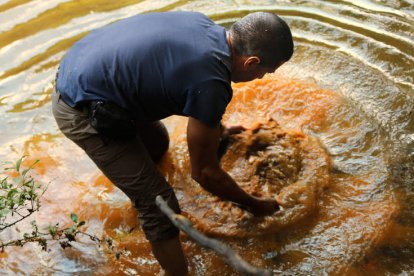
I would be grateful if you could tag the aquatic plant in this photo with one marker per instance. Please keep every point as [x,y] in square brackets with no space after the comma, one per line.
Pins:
[20,198]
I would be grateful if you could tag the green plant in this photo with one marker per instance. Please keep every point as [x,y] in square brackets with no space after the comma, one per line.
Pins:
[20,197]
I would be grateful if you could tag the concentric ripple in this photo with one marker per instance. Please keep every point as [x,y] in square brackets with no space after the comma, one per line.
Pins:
[348,93]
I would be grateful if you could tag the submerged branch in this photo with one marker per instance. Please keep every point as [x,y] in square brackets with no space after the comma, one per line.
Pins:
[229,255]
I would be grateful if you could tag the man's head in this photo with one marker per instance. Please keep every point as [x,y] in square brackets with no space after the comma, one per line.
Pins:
[260,43]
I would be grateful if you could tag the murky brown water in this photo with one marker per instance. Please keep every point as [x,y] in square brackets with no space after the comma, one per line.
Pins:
[349,87]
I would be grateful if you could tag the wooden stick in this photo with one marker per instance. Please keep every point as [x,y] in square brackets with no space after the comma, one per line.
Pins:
[229,255]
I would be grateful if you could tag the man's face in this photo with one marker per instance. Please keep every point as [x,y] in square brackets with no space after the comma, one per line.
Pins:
[251,73]
[250,68]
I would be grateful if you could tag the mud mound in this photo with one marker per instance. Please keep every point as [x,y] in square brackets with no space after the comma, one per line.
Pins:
[265,161]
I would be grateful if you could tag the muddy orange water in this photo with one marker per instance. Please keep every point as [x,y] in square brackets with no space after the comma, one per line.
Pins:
[335,125]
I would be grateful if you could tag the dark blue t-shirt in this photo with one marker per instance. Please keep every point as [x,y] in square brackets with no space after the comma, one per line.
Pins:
[155,65]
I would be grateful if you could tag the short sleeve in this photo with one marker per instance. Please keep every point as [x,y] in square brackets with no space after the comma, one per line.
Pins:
[207,102]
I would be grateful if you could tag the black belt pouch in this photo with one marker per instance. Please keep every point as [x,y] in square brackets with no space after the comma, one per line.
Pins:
[111,120]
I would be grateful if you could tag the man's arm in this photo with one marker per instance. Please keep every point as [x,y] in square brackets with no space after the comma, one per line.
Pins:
[203,142]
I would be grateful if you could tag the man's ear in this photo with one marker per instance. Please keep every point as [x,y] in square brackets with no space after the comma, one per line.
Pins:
[252,61]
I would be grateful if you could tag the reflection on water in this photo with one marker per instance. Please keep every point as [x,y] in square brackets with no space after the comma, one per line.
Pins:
[350,86]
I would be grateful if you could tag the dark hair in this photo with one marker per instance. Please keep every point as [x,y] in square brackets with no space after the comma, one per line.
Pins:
[265,35]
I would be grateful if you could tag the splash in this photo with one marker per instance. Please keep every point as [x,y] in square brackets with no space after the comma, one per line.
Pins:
[266,161]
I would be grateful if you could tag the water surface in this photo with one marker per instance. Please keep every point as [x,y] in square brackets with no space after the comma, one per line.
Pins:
[350,84]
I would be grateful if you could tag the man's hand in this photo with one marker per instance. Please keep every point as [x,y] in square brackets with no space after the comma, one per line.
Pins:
[263,206]
[227,131]
[203,142]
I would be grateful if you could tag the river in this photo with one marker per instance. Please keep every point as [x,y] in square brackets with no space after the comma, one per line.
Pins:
[349,88]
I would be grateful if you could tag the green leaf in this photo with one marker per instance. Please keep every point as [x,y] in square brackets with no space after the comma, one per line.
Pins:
[52,230]
[4,184]
[25,171]
[81,223]
[18,163]
[11,193]
[74,217]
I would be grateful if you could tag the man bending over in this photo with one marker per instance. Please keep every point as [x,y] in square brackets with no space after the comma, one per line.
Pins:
[116,84]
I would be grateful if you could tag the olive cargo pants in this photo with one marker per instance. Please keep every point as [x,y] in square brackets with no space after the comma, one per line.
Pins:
[128,163]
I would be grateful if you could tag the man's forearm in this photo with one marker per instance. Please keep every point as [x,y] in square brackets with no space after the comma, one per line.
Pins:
[219,183]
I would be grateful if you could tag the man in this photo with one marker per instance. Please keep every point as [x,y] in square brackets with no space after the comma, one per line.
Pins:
[115,85]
